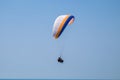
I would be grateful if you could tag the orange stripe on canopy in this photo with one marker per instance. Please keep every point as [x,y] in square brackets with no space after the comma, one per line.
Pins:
[61,26]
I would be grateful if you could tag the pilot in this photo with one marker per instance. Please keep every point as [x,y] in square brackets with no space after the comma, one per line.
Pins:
[60,60]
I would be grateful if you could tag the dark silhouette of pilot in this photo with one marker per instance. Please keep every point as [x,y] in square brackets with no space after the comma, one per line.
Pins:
[60,60]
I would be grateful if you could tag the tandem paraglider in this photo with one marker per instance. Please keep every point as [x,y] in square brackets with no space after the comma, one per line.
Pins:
[60,59]
[59,26]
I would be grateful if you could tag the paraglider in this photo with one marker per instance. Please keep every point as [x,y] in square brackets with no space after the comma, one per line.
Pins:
[59,26]
[60,59]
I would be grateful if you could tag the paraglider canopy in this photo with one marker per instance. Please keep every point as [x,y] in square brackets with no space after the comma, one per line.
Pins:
[61,23]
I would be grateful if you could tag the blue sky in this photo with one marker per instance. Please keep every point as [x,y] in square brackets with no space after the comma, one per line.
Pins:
[90,46]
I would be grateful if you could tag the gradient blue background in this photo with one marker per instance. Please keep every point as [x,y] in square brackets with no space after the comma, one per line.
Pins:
[91,44]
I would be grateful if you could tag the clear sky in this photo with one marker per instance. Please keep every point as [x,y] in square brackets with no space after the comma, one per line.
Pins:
[90,46]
